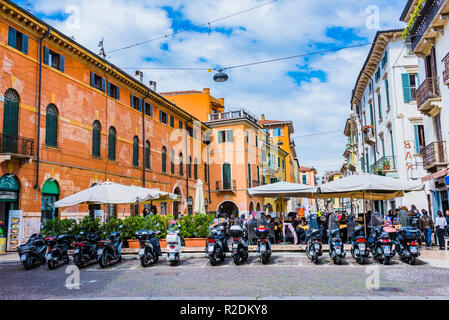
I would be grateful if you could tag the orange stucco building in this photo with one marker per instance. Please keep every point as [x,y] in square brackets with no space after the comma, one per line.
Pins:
[70,119]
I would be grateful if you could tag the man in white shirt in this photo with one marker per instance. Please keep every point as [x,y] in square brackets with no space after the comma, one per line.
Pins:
[440,224]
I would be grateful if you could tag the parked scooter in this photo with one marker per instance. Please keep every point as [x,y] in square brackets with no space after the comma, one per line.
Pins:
[150,249]
[216,245]
[174,245]
[359,250]
[85,249]
[110,251]
[407,244]
[381,245]
[239,244]
[336,247]
[314,248]
[33,252]
[263,243]
[58,248]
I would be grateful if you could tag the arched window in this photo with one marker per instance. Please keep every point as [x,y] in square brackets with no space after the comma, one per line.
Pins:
[10,121]
[164,160]
[172,162]
[226,175]
[136,151]
[51,126]
[195,169]
[111,144]
[147,155]
[96,136]
[189,167]
[181,165]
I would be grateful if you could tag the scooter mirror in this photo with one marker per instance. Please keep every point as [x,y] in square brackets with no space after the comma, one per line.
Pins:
[70,229]
[121,227]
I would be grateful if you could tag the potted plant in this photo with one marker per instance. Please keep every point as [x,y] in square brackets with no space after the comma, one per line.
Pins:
[195,229]
[386,164]
[130,226]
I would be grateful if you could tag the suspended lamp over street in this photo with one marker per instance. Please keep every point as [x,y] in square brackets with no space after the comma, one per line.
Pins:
[221,76]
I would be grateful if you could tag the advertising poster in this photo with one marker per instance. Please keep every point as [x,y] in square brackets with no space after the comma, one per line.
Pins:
[99,215]
[14,230]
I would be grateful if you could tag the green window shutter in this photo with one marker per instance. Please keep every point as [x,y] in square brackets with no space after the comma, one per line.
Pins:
[46,56]
[109,92]
[379,102]
[387,93]
[231,135]
[406,87]
[111,144]
[140,105]
[226,176]
[249,175]
[103,84]
[371,113]
[220,137]
[417,144]
[164,160]
[132,101]
[96,140]
[25,39]
[12,37]
[147,156]
[62,63]
[136,152]
[117,93]
[51,130]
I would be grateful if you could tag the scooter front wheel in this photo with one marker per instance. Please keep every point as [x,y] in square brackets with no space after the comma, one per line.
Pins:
[412,260]
[146,259]
[337,260]
[264,259]
[28,263]
[103,260]
[386,261]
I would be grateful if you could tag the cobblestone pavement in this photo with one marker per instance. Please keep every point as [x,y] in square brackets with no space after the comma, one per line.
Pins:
[288,275]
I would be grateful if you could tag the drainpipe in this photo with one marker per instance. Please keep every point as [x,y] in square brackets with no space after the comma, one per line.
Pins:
[143,137]
[36,186]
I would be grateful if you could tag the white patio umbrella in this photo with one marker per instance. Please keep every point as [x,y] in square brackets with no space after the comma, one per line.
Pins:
[199,206]
[148,195]
[103,193]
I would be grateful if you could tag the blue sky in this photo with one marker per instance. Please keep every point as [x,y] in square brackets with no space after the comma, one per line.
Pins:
[314,92]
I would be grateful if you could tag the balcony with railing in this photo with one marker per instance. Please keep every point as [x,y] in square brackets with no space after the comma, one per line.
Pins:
[226,186]
[428,92]
[434,156]
[424,20]
[16,147]
[384,165]
[233,115]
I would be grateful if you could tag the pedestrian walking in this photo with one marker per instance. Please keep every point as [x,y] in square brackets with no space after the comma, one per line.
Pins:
[426,226]
[440,225]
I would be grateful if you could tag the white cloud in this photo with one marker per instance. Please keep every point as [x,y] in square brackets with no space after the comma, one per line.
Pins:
[286,27]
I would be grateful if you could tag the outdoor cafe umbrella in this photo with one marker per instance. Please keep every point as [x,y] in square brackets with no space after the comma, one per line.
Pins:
[152,195]
[283,189]
[103,193]
[199,198]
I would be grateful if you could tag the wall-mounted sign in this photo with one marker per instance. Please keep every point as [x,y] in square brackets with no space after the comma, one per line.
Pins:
[99,215]
[14,229]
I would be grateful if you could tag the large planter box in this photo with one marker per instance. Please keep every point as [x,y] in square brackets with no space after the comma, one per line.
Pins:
[133,244]
[190,242]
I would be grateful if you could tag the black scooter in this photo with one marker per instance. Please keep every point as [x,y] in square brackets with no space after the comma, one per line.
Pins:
[110,251]
[382,247]
[58,248]
[239,244]
[85,249]
[215,245]
[33,252]
[314,248]
[150,249]
[359,249]
[336,249]
[263,244]
[408,242]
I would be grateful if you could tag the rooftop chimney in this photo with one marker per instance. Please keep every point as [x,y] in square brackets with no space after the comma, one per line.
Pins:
[263,117]
[206,90]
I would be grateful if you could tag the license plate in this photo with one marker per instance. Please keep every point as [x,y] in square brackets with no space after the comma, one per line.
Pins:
[263,249]
[211,249]
[99,252]
[413,249]
[141,252]
[338,251]
[387,249]
[235,246]
[23,257]
[362,246]
[317,246]
[48,256]
[76,251]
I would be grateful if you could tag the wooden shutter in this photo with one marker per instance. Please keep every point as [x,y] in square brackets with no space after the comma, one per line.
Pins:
[220,137]
[25,43]
[92,79]
[109,92]
[136,152]
[117,93]
[96,140]
[46,56]
[61,63]
[417,144]
[111,145]
[12,37]
[226,176]
[164,160]
[132,101]
[407,93]
[230,136]
[51,130]
[103,84]
[387,92]
[140,104]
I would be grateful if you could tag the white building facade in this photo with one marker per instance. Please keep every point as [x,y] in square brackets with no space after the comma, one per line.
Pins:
[391,134]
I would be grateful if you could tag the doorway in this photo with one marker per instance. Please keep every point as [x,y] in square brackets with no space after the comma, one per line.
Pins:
[9,199]
[228,209]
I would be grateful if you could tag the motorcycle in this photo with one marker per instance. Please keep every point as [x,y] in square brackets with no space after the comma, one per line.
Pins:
[408,242]
[382,246]
[85,249]
[359,250]
[263,243]
[58,248]
[33,252]
[336,247]
[110,251]
[239,245]
[216,246]
[174,245]
[314,249]
[150,249]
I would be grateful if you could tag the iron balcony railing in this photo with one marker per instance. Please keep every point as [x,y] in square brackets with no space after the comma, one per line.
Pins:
[238,114]
[446,70]
[226,185]
[427,90]
[384,164]
[16,145]
[434,154]
[424,19]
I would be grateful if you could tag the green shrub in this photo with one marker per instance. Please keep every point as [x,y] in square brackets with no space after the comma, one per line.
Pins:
[111,226]
[131,225]
[55,227]
[195,226]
